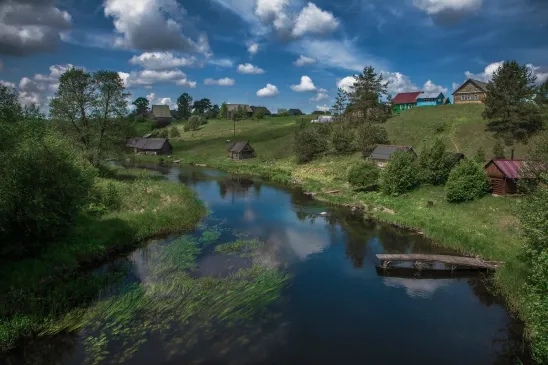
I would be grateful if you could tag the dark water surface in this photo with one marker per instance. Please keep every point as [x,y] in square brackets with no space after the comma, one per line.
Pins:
[335,308]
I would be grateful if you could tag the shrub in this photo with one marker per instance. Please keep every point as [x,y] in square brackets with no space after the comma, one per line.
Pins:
[401,174]
[194,122]
[369,136]
[342,139]
[309,143]
[480,156]
[364,175]
[259,114]
[434,163]
[174,132]
[103,198]
[163,133]
[467,182]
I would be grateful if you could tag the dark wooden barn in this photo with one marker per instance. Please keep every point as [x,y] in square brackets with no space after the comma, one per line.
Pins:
[240,150]
[381,155]
[504,175]
[150,146]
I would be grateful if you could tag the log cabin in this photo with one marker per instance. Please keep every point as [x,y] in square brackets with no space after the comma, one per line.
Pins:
[504,175]
[471,92]
[150,146]
[240,150]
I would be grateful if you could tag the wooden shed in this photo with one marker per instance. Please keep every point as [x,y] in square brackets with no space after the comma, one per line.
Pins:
[240,150]
[381,155]
[150,146]
[504,175]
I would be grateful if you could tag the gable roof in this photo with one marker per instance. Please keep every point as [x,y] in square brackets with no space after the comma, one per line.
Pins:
[384,152]
[161,111]
[263,108]
[479,84]
[238,146]
[295,111]
[233,107]
[147,143]
[406,98]
[430,96]
[512,169]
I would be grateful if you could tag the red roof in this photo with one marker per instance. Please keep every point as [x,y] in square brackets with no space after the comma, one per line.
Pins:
[510,168]
[406,98]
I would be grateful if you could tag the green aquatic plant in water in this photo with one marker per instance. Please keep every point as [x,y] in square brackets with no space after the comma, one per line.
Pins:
[169,298]
[241,247]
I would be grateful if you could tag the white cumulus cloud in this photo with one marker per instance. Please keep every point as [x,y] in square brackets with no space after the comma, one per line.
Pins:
[323,108]
[221,82]
[253,48]
[221,62]
[313,20]
[162,61]
[434,7]
[303,61]
[268,91]
[7,84]
[346,84]
[152,77]
[40,88]
[306,85]
[320,96]
[250,69]
[154,100]
[430,87]
[487,74]
[153,25]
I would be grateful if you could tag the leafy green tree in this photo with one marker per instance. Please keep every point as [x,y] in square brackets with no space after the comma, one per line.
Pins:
[542,95]
[214,111]
[498,150]
[400,175]
[342,139]
[509,108]
[141,105]
[195,121]
[10,109]
[366,97]
[433,163]
[259,114]
[309,143]
[341,103]
[480,156]
[369,136]
[202,106]
[184,106]
[283,112]
[364,175]
[223,112]
[92,108]
[467,182]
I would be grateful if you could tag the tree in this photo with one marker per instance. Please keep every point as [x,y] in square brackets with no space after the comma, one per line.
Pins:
[141,105]
[433,163]
[542,95]
[467,182]
[342,139]
[480,156]
[194,122]
[366,97]
[223,112]
[498,150]
[309,143]
[184,106]
[283,112]
[214,111]
[259,114]
[369,136]
[509,108]
[201,106]
[341,103]
[400,175]
[10,109]
[92,108]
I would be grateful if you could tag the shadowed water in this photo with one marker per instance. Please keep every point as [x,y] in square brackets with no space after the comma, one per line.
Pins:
[334,308]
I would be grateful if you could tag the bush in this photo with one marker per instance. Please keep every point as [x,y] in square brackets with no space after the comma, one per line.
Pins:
[342,139]
[103,198]
[401,174]
[259,114]
[364,175]
[480,156]
[174,132]
[194,123]
[163,133]
[309,143]
[434,163]
[369,136]
[467,182]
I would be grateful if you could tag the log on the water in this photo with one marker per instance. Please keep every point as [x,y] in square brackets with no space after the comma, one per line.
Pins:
[455,261]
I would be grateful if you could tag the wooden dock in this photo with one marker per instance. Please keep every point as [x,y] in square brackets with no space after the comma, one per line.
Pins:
[455,262]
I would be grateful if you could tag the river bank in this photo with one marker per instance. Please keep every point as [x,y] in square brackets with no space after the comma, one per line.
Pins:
[37,291]
[486,228]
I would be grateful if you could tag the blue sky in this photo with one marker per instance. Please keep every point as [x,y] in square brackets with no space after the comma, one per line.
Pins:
[277,53]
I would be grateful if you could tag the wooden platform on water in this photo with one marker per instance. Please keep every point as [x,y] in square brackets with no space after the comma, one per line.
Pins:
[455,262]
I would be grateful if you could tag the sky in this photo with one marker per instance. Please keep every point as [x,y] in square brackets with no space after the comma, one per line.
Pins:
[274,53]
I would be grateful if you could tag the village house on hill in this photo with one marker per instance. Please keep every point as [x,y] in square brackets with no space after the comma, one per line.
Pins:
[431,99]
[232,108]
[381,155]
[150,146]
[264,109]
[161,115]
[405,101]
[471,92]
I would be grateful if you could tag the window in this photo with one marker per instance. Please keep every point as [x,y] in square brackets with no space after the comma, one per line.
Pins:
[468,97]
[475,96]
[462,97]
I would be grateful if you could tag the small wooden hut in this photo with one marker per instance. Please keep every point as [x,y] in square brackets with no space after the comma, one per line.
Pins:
[150,146]
[504,175]
[240,150]
[381,155]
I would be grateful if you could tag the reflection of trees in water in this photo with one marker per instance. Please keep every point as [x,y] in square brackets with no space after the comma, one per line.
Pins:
[237,186]
[43,351]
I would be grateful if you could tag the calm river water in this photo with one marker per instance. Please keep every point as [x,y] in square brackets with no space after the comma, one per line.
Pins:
[334,309]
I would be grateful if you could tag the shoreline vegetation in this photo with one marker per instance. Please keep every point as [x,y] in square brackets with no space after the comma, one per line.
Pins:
[36,292]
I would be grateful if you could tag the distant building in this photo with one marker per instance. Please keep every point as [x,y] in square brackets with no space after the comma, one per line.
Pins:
[150,146]
[405,101]
[431,99]
[265,110]
[324,119]
[295,112]
[231,108]
[471,92]
[381,155]
[240,150]
[161,115]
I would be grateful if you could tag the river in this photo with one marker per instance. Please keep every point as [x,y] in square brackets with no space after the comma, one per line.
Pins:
[333,308]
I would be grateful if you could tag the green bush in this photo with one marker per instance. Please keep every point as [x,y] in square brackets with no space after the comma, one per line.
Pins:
[467,182]
[103,198]
[342,139]
[174,132]
[309,143]
[259,114]
[401,174]
[194,123]
[434,163]
[364,175]
[369,136]
[163,133]
[480,156]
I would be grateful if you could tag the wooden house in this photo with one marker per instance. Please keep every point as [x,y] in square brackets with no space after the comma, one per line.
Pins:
[150,146]
[471,92]
[232,108]
[265,110]
[381,155]
[430,99]
[161,115]
[240,150]
[504,175]
[295,112]
[405,101]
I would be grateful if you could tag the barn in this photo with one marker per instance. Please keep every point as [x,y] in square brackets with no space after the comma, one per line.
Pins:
[504,175]
[381,155]
[240,150]
[150,146]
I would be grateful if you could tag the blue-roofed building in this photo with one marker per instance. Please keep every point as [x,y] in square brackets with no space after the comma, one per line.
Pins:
[431,99]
